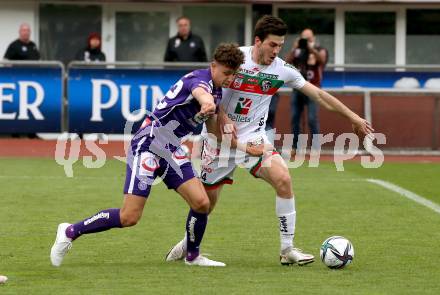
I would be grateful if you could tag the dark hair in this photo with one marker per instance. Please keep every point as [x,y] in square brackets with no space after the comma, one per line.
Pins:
[229,54]
[269,24]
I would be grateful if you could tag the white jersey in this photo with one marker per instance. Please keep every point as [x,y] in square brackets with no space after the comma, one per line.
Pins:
[247,100]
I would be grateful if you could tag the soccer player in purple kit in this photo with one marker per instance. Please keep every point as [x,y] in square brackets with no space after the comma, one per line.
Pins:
[155,151]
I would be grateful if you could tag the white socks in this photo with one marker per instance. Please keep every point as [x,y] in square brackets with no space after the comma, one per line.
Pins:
[286,213]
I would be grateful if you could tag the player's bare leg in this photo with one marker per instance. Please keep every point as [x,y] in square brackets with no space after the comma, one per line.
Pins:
[195,195]
[275,172]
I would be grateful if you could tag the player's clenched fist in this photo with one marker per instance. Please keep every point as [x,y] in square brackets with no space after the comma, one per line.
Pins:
[207,109]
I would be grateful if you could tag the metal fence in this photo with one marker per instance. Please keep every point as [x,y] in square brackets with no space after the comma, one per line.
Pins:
[164,74]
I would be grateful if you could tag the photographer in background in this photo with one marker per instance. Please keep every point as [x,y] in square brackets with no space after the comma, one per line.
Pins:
[310,59]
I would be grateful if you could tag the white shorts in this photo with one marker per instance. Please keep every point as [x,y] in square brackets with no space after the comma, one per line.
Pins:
[218,164]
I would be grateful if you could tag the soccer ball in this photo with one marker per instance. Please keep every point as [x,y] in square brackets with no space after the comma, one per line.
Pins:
[336,252]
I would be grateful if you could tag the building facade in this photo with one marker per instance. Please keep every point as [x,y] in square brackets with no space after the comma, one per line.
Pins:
[355,32]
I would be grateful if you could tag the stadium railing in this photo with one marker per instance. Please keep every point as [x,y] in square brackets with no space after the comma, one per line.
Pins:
[366,92]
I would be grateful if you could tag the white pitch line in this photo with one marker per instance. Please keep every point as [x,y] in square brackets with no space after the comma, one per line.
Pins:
[407,194]
[55,177]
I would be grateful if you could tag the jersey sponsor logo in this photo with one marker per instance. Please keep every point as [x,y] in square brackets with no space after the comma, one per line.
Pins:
[180,157]
[268,76]
[246,71]
[149,164]
[260,84]
[207,169]
[239,118]
[209,152]
[252,81]
[179,154]
[243,106]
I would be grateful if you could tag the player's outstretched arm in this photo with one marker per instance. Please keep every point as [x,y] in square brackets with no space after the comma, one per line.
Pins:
[360,126]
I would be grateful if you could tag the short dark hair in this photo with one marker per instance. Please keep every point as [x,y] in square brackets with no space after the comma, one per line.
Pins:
[229,54]
[269,24]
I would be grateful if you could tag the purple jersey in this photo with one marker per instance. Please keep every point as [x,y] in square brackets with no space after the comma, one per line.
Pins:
[179,105]
[155,148]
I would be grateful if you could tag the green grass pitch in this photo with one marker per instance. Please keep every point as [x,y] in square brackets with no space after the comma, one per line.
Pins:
[396,241]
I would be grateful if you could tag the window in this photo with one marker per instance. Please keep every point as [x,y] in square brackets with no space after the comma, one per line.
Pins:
[227,25]
[423,27]
[64,29]
[370,37]
[141,36]
[321,21]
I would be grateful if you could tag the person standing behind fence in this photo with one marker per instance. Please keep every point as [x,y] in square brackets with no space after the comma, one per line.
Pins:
[185,46]
[92,52]
[310,59]
[23,48]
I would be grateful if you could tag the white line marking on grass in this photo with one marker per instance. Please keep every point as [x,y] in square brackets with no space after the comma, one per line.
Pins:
[407,194]
[56,177]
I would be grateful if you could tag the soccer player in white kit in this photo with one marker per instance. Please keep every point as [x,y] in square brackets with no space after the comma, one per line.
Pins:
[246,104]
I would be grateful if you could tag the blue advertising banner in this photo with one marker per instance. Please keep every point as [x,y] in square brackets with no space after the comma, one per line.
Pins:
[30,99]
[104,100]
[370,79]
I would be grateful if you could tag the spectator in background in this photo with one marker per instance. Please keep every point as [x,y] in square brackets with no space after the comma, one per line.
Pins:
[185,46]
[310,59]
[23,48]
[92,52]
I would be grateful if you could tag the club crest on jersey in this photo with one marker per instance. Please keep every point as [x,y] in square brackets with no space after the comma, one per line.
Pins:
[238,82]
[266,85]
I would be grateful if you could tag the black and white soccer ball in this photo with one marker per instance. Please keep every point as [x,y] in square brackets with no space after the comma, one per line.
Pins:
[336,252]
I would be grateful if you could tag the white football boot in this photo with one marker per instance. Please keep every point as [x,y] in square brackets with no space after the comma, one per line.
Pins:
[178,252]
[61,246]
[295,255]
[203,261]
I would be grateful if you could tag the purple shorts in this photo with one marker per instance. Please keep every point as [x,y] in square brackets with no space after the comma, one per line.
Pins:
[144,166]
